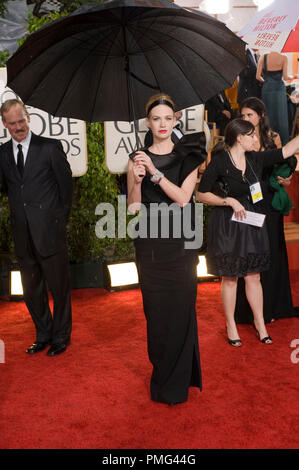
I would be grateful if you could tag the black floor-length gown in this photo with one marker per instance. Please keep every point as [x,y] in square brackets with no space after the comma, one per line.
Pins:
[274,97]
[168,281]
[275,281]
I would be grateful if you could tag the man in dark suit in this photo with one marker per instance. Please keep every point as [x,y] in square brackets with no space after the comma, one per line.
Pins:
[248,84]
[37,177]
[219,110]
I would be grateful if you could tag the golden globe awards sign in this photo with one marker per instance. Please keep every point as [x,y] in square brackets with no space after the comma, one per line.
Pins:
[120,138]
[71,132]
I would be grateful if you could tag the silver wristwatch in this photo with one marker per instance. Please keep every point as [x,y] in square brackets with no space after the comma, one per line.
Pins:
[157,176]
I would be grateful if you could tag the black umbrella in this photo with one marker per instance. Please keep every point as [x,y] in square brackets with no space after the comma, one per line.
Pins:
[105,60]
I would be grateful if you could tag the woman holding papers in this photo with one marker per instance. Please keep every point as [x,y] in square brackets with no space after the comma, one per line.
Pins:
[232,183]
[275,282]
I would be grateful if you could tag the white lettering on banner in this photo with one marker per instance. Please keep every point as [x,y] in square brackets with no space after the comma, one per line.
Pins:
[71,132]
[120,138]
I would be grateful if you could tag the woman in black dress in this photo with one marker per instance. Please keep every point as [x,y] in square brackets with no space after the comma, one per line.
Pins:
[237,249]
[275,282]
[164,174]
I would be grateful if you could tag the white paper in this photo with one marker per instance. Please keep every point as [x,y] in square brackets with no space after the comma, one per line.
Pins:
[252,218]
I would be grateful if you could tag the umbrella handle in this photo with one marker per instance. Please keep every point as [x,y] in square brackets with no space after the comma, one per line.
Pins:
[135,124]
[131,99]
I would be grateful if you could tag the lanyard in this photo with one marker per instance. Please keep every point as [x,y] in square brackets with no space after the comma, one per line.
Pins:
[243,174]
[255,188]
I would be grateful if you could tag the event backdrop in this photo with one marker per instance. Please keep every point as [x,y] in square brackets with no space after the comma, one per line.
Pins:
[71,132]
[119,136]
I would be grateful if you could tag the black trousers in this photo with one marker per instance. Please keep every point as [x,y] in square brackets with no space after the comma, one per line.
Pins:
[40,274]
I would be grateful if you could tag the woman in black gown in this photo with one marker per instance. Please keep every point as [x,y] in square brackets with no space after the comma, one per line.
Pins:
[275,281]
[236,249]
[164,174]
[272,70]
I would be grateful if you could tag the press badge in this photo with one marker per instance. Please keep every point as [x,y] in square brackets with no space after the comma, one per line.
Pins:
[256,192]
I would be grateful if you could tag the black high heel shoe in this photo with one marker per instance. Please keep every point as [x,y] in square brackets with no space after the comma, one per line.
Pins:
[237,343]
[265,340]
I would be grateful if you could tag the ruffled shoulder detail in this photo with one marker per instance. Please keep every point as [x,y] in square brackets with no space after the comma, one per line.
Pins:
[191,151]
[192,144]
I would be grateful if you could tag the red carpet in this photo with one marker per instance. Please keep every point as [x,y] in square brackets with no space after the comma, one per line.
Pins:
[96,394]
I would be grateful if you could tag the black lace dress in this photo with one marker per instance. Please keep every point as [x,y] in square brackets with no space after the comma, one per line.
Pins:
[168,281]
[233,248]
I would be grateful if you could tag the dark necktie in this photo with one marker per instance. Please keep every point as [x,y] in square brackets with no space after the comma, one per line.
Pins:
[20,160]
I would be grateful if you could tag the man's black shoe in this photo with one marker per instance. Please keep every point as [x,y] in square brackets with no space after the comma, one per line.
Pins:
[36,347]
[58,348]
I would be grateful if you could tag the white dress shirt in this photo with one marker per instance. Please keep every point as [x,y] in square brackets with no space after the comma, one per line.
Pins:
[25,146]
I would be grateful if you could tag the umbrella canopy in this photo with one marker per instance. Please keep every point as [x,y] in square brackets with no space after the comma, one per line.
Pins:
[104,61]
[275,28]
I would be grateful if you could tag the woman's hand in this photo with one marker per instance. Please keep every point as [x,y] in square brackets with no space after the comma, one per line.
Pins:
[139,172]
[239,210]
[141,158]
[284,181]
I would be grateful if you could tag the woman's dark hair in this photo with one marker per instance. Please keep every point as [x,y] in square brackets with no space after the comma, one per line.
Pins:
[233,129]
[266,134]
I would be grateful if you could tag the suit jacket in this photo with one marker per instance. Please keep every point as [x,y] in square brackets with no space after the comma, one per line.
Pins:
[215,106]
[248,84]
[40,200]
